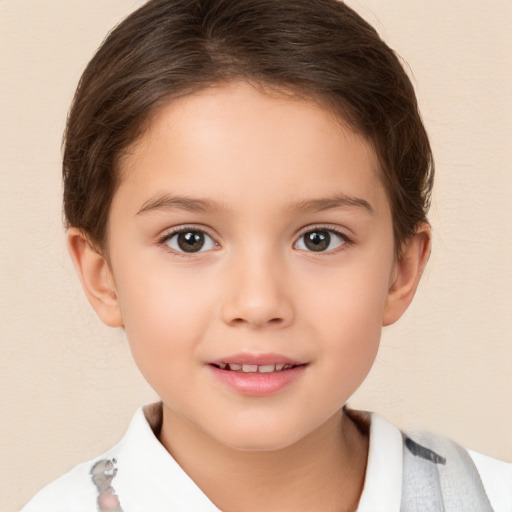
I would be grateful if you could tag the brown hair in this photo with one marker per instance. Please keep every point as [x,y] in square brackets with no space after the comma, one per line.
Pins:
[319,49]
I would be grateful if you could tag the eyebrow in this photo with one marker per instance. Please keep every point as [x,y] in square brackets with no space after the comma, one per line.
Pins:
[331,203]
[166,202]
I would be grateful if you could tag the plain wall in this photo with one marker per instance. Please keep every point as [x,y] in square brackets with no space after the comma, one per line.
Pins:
[68,385]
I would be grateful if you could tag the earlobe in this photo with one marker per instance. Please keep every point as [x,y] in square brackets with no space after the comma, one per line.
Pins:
[96,277]
[407,274]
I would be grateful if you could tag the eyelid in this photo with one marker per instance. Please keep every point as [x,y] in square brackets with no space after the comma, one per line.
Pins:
[325,227]
[184,228]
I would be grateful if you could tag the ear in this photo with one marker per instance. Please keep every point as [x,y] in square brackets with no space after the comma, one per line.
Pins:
[96,277]
[407,274]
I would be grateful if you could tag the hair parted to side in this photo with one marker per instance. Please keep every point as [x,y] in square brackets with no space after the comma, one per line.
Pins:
[318,49]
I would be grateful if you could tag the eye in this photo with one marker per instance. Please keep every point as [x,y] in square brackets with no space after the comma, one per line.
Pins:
[190,241]
[320,240]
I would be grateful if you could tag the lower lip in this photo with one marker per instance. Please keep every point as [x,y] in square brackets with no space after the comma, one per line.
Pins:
[257,384]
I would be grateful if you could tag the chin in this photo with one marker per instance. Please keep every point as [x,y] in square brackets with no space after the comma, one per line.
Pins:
[259,437]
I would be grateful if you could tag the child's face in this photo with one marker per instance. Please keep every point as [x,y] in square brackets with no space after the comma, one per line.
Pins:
[286,255]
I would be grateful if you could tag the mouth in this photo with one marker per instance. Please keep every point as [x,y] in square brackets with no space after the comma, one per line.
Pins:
[257,375]
[255,368]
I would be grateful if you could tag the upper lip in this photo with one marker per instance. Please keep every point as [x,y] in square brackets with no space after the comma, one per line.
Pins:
[257,359]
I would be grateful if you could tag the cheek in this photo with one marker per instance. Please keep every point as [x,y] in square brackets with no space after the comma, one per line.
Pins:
[164,312]
[349,297]
[165,320]
[346,311]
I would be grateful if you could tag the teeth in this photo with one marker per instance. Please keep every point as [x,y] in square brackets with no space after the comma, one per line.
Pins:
[254,368]
[267,368]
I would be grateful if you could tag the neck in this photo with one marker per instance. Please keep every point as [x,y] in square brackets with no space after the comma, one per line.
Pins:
[323,471]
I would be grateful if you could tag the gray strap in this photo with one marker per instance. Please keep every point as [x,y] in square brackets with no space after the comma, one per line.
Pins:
[440,476]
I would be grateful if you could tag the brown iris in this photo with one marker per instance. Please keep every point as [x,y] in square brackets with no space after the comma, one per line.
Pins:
[191,241]
[317,240]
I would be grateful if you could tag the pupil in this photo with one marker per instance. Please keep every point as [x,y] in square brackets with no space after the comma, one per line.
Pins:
[192,241]
[317,240]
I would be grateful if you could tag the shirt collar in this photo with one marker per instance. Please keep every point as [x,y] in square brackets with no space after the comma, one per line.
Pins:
[145,464]
[382,491]
[148,477]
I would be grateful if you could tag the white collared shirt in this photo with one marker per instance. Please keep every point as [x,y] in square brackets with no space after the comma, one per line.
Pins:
[149,479]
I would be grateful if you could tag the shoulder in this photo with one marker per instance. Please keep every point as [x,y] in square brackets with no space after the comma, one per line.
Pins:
[72,492]
[84,487]
[404,466]
[136,474]
[464,476]
[496,477]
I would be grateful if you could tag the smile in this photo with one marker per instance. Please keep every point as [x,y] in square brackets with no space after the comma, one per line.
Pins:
[257,374]
[254,368]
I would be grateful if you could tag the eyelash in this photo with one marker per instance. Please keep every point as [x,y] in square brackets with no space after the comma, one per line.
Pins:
[163,241]
[330,229]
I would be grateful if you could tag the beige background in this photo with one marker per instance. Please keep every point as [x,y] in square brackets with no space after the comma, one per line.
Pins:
[68,386]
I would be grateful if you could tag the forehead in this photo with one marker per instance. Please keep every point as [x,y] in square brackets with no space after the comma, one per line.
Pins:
[241,143]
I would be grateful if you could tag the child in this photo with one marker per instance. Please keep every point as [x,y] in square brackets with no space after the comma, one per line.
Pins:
[246,190]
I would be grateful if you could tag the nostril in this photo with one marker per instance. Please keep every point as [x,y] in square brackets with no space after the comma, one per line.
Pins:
[271,321]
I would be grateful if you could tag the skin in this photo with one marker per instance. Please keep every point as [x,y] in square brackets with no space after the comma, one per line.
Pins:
[259,162]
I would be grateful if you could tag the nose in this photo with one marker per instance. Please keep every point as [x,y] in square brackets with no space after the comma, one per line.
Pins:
[257,294]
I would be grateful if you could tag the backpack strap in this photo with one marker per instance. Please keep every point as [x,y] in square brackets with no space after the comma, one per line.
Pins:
[440,476]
